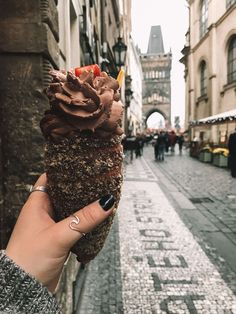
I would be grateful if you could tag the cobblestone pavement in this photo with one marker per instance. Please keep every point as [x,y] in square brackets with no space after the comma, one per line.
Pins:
[154,260]
[102,293]
[211,214]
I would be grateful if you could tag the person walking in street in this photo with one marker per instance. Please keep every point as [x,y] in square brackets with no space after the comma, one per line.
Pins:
[172,141]
[232,153]
[155,144]
[167,141]
[141,142]
[180,141]
[161,141]
[129,146]
[32,263]
[138,146]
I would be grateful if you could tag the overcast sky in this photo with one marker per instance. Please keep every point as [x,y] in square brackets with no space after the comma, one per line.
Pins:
[172,15]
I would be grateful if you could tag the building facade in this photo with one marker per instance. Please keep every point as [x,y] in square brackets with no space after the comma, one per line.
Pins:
[36,36]
[134,108]
[156,66]
[210,69]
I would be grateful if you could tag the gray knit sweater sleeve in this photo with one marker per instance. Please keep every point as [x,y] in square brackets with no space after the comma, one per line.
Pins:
[21,293]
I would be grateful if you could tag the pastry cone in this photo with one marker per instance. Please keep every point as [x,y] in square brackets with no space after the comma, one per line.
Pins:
[83,153]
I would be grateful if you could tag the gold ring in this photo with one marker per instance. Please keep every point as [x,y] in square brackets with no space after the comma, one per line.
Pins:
[75,221]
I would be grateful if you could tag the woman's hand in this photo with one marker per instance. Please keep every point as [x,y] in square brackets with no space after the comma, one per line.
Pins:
[39,245]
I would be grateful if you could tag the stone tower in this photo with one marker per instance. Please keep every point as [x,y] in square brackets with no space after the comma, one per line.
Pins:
[156,65]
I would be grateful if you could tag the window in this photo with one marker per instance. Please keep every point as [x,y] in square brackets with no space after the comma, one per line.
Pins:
[229,3]
[231,66]
[203,17]
[203,78]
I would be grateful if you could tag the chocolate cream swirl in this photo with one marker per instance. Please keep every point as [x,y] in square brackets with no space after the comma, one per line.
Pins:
[82,104]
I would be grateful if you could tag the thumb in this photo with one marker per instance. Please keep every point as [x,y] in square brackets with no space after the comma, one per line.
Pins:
[84,221]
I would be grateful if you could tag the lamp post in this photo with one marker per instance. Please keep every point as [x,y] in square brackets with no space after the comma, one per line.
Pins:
[128,90]
[119,50]
[128,98]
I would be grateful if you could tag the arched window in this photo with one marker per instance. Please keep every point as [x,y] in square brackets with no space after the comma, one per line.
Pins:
[203,17]
[203,78]
[231,66]
[229,3]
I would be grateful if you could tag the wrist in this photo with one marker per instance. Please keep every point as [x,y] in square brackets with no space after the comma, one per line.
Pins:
[21,291]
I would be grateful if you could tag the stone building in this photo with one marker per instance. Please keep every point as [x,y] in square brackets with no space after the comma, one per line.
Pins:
[156,65]
[36,36]
[29,38]
[210,69]
[134,91]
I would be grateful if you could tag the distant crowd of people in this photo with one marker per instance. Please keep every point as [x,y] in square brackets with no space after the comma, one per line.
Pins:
[163,142]
[134,144]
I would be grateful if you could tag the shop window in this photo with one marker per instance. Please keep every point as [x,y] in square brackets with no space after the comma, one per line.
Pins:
[232,60]
[203,17]
[229,3]
[203,78]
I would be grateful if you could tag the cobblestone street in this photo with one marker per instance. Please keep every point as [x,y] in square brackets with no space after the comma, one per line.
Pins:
[172,246]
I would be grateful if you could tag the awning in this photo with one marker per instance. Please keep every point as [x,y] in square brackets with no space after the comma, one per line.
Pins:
[216,119]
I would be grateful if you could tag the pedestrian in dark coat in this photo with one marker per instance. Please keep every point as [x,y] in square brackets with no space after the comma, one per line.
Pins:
[232,153]
[167,141]
[172,140]
[180,141]
[161,141]
[138,147]
[155,144]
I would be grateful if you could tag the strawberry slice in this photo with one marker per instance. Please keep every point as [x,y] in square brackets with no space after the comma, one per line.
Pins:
[94,68]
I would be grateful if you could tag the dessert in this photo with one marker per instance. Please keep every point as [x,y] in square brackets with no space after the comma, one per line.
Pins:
[83,152]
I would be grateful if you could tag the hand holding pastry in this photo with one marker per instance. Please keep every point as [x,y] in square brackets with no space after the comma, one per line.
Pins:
[39,245]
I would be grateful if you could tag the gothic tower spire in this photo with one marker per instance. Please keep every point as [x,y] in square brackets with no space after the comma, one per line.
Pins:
[155,44]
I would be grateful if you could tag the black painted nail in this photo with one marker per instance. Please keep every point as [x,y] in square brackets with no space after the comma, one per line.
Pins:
[107,202]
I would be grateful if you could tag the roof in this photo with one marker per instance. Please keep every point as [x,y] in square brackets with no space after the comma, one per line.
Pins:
[155,44]
[216,119]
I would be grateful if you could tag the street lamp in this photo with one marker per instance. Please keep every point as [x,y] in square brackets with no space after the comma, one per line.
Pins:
[128,90]
[128,96]
[119,50]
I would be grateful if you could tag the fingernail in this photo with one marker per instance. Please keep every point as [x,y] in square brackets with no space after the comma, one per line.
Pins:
[107,202]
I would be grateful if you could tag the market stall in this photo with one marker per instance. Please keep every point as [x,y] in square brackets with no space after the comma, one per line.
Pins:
[209,137]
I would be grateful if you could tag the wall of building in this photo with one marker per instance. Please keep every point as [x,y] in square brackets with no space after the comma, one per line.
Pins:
[36,36]
[135,109]
[212,48]
[69,37]
[28,49]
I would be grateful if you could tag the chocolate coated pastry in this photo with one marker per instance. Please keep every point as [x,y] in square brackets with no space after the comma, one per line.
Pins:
[83,152]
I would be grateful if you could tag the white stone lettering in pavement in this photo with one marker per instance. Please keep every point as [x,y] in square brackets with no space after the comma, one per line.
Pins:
[164,270]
